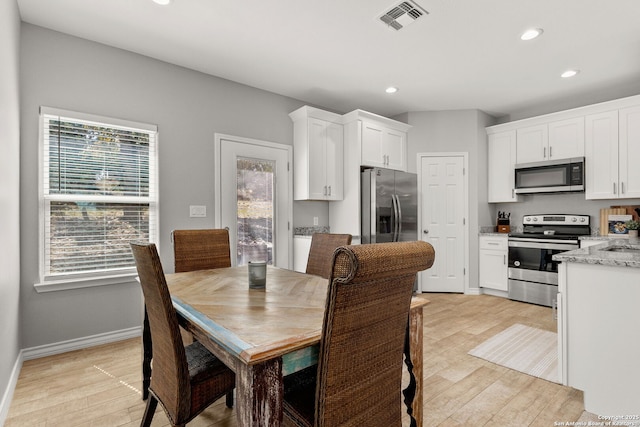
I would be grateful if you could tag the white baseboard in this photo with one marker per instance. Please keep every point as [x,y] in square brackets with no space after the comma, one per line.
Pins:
[495,292]
[11,386]
[80,343]
[473,291]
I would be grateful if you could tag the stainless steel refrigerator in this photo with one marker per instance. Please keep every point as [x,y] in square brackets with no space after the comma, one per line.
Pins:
[389,206]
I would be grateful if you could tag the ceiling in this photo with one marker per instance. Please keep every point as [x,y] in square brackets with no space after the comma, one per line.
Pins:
[336,54]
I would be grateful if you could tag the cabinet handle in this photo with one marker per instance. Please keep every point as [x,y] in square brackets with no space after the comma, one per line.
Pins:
[504,259]
[493,243]
[513,193]
[614,188]
[550,151]
[329,190]
[324,193]
[622,188]
[544,152]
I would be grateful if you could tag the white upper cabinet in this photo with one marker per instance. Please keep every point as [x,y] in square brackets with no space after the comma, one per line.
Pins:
[532,143]
[601,155]
[555,140]
[318,153]
[383,147]
[501,162]
[612,153]
[566,138]
[629,152]
[382,141]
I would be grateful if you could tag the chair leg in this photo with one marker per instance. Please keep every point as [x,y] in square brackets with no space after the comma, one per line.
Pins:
[229,399]
[149,411]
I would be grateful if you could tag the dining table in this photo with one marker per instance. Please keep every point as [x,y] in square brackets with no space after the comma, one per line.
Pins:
[265,334]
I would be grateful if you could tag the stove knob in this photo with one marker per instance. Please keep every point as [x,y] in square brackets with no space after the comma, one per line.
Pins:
[583,219]
[574,219]
[535,218]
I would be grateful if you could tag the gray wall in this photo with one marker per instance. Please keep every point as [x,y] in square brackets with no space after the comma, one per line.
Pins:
[9,195]
[61,71]
[457,131]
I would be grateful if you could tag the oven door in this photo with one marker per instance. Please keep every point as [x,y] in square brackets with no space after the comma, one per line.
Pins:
[531,260]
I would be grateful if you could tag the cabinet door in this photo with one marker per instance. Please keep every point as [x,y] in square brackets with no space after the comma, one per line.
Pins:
[601,155]
[566,138]
[629,155]
[317,146]
[493,270]
[372,154]
[501,163]
[334,160]
[393,146]
[532,144]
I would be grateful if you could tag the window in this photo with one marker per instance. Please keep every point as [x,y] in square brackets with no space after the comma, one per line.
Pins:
[98,193]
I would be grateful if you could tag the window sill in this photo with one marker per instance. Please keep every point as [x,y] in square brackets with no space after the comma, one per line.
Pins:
[86,282]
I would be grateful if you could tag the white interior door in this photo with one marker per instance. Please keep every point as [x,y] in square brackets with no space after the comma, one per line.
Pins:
[253,199]
[443,220]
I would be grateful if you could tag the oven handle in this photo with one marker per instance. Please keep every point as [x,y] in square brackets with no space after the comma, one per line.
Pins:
[537,244]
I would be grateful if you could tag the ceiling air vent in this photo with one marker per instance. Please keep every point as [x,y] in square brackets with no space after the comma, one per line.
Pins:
[402,15]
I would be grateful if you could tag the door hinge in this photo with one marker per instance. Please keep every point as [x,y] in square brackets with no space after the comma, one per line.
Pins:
[464,271]
[464,221]
[288,225]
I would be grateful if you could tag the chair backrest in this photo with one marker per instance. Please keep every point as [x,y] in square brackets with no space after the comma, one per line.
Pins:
[363,333]
[170,379]
[321,252]
[200,249]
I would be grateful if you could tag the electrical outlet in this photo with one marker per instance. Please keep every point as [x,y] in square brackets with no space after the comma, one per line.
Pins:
[197,211]
[315,220]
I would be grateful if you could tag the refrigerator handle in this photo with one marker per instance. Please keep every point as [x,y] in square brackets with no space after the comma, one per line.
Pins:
[399,217]
[396,218]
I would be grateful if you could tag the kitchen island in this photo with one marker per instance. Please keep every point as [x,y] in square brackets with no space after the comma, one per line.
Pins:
[599,325]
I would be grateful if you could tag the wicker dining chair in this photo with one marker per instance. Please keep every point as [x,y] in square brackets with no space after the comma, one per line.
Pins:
[200,249]
[357,381]
[321,252]
[185,380]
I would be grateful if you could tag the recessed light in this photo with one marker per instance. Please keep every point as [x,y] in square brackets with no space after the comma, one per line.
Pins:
[569,73]
[162,2]
[391,89]
[531,34]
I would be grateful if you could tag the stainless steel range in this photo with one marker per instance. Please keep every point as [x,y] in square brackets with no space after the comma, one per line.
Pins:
[533,275]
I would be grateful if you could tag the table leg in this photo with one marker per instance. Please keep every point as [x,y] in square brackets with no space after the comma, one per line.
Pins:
[259,394]
[147,355]
[413,360]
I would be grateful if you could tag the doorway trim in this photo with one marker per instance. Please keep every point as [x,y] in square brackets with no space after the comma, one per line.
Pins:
[465,180]
[217,186]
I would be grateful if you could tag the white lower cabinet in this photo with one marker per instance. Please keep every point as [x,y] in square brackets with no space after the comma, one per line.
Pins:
[494,262]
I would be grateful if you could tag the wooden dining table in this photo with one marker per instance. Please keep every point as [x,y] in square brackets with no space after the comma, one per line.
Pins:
[265,334]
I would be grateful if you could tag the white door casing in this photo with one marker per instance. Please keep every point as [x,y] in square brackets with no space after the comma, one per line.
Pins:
[227,149]
[443,213]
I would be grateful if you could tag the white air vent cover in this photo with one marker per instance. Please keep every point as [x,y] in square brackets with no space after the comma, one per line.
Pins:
[403,14]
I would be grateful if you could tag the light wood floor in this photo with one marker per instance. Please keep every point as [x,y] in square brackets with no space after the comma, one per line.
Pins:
[100,386]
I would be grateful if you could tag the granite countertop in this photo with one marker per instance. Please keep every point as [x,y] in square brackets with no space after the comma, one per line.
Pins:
[627,253]
[308,231]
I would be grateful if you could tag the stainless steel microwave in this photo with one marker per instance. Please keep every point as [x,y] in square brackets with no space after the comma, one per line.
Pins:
[551,176]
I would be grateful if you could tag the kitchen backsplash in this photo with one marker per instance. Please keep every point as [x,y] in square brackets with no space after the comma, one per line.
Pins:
[565,203]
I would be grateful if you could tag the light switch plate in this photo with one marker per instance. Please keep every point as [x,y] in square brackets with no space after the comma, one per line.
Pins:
[315,220]
[196,211]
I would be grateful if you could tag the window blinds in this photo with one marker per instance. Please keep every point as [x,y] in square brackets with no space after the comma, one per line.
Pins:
[99,192]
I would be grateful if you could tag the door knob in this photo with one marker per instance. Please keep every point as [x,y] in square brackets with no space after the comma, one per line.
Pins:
[425,231]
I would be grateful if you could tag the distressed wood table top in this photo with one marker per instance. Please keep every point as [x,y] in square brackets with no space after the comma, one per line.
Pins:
[251,324]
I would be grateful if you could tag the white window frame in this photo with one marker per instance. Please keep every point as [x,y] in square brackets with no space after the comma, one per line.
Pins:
[109,277]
